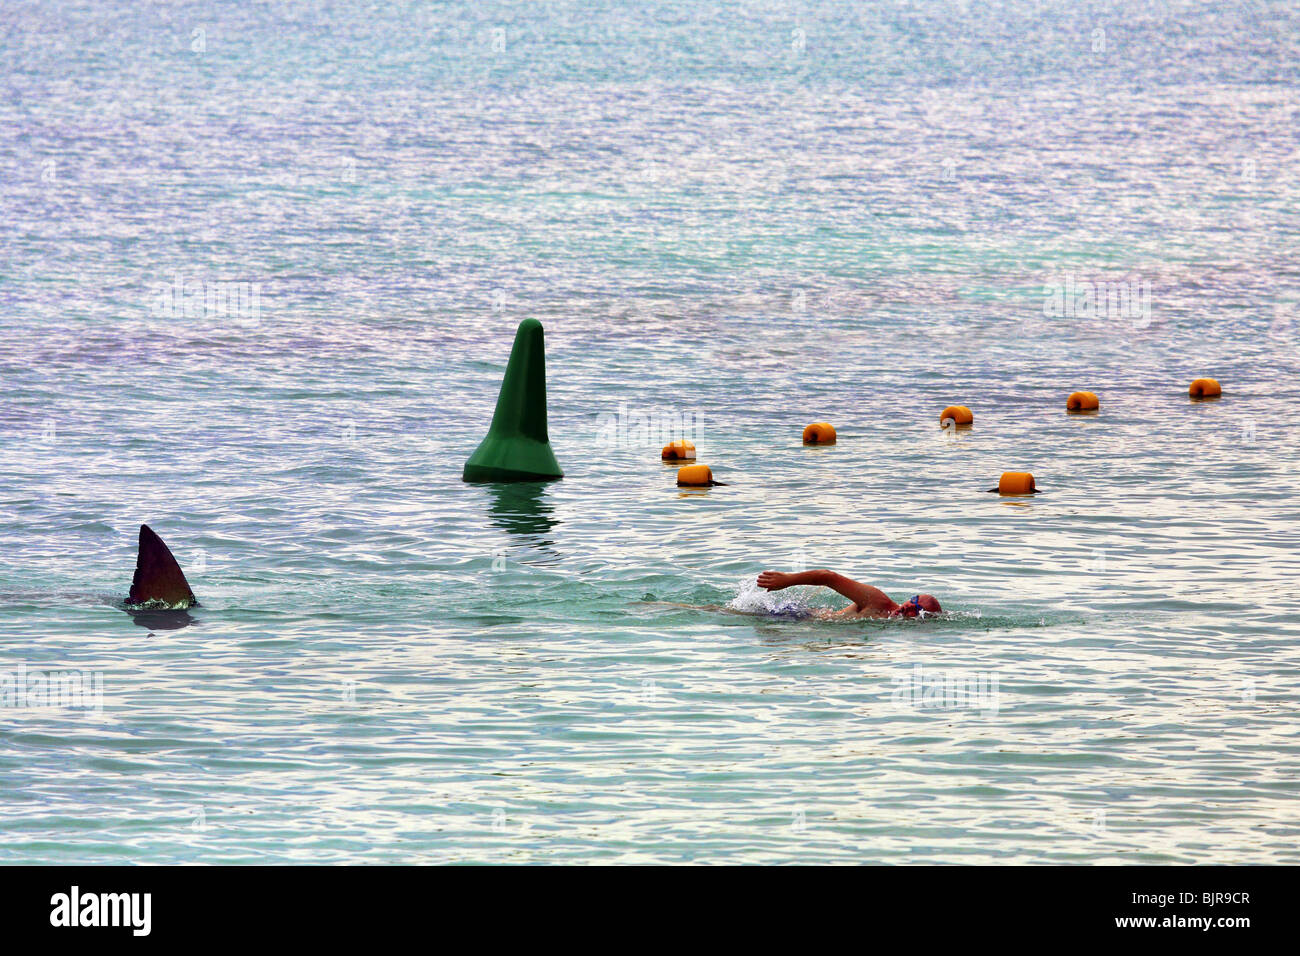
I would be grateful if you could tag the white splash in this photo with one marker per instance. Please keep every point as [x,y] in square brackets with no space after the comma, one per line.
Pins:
[752,599]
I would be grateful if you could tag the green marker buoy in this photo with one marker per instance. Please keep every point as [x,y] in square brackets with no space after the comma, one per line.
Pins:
[517,446]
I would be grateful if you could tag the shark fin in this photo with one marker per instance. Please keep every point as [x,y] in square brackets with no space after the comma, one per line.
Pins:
[158,578]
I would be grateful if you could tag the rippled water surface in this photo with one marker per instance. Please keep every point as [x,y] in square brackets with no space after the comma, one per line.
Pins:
[743,218]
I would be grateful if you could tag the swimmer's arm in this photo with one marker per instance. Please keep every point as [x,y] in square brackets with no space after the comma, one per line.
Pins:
[860,594]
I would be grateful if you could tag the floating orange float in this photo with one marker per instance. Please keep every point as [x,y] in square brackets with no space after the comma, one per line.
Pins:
[957,414]
[819,433]
[680,450]
[695,476]
[1016,483]
[1081,402]
[1204,388]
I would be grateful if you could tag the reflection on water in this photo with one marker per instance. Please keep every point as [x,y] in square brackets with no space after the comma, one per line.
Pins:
[161,620]
[685,492]
[521,508]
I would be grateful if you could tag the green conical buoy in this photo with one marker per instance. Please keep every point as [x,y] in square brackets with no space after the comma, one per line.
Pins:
[517,447]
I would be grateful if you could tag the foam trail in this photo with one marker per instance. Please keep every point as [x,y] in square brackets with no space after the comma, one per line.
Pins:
[752,599]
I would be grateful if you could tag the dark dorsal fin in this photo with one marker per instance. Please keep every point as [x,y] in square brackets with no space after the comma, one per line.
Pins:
[157,575]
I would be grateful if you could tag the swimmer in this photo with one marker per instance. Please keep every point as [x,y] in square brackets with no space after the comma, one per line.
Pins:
[867,601]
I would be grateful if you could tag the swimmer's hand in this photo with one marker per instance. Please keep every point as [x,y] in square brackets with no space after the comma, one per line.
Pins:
[774,580]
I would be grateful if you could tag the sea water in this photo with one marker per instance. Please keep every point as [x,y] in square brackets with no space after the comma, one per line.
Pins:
[260,268]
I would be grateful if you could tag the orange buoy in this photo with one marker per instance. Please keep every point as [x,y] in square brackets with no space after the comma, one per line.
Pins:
[1081,402]
[819,433]
[695,476]
[680,450]
[957,415]
[1204,388]
[1016,483]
